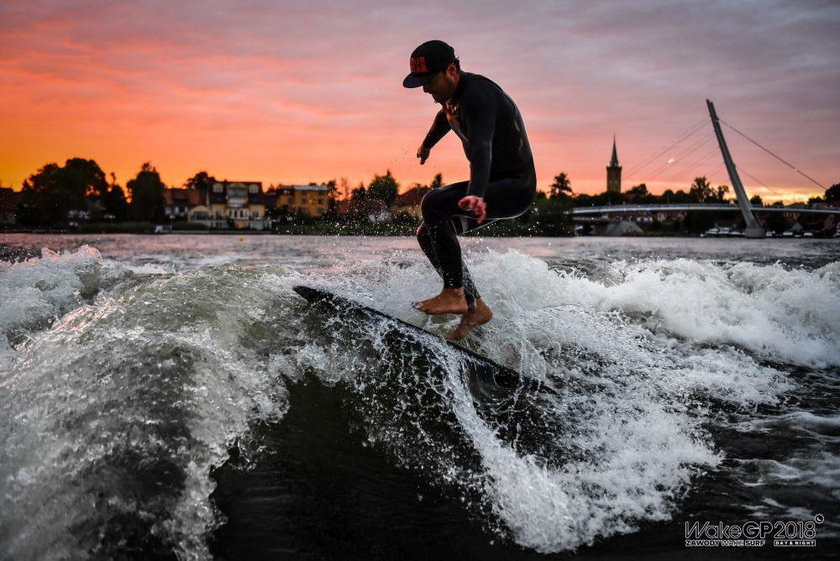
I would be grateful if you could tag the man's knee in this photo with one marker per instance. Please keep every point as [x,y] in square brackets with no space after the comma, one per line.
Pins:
[426,204]
[433,206]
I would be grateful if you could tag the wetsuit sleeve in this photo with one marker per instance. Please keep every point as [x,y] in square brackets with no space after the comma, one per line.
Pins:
[480,116]
[440,127]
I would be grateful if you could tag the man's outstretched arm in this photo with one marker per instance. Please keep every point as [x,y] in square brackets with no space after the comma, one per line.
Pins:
[440,127]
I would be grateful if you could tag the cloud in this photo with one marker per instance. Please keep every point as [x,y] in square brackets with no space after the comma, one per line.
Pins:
[320,81]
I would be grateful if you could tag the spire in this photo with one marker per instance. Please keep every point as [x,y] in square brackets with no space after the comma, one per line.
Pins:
[614,172]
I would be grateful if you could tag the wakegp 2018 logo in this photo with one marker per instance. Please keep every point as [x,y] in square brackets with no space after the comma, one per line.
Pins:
[755,533]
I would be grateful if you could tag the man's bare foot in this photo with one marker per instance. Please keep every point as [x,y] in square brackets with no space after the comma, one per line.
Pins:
[449,301]
[475,316]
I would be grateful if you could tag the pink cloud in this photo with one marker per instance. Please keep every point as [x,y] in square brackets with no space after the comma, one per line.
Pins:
[306,91]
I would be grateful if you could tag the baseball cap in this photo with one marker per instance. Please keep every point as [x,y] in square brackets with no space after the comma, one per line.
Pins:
[427,60]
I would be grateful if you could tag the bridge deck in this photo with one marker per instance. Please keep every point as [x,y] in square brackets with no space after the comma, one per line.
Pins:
[694,207]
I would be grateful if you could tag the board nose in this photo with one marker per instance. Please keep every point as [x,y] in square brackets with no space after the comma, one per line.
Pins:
[310,294]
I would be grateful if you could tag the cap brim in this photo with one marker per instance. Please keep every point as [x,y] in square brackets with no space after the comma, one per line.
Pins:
[417,80]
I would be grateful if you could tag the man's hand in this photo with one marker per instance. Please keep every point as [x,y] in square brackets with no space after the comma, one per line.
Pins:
[423,154]
[476,205]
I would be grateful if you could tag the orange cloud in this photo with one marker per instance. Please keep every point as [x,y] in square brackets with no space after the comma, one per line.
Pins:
[310,92]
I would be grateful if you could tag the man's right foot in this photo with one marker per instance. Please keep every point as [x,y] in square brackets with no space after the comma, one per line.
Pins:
[475,316]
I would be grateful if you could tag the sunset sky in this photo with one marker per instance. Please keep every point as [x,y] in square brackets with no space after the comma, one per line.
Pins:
[293,92]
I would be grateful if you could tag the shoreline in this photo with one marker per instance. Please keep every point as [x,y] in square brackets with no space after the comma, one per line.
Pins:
[383,234]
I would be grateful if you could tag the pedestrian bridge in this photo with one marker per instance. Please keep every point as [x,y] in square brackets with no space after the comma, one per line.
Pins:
[639,209]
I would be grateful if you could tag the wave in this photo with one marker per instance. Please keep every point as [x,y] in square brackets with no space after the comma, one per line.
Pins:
[123,390]
[115,416]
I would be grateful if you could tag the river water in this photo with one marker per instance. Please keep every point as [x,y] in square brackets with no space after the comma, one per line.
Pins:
[171,397]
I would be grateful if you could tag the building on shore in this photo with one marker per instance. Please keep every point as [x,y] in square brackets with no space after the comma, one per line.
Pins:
[236,204]
[614,173]
[179,202]
[312,200]
[243,205]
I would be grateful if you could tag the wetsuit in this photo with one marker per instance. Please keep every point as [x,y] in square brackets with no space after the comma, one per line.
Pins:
[501,171]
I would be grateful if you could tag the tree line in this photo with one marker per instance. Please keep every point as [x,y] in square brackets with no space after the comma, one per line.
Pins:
[55,195]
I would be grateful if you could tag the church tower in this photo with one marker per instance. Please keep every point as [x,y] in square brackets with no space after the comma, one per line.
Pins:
[614,173]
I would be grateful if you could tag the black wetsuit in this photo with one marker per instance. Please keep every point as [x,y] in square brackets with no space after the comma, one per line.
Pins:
[501,171]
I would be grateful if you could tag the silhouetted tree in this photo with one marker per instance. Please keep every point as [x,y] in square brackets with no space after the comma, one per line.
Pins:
[343,189]
[437,182]
[359,193]
[42,201]
[639,194]
[53,191]
[114,201]
[84,178]
[832,194]
[755,200]
[701,190]
[639,190]
[333,188]
[562,186]
[384,188]
[201,180]
[681,198]
[146,195]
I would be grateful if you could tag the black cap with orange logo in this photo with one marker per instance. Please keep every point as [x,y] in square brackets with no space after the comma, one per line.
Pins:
[426,61]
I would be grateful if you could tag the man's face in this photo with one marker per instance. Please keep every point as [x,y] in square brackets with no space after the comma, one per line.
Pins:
[443,85]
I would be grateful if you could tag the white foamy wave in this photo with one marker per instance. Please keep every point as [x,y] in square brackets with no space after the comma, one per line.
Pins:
[176,367]
[776,313]
[35,292]
[121,409]
[633,395]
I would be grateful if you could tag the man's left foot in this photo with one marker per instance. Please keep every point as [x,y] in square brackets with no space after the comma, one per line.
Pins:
[449,301]
[475,316]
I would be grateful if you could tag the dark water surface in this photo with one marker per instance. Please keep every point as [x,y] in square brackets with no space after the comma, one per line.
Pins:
[172,397]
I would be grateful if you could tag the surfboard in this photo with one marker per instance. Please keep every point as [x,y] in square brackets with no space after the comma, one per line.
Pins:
[482,370]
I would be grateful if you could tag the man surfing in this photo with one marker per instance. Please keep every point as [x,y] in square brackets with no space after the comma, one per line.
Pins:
[502,177]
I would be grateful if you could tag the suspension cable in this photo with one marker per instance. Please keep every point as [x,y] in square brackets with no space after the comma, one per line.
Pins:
[690,167]
[788,164]
[760,182]
[692,129]
[684,154]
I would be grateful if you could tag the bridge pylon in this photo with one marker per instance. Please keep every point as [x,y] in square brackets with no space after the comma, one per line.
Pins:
[753,229]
